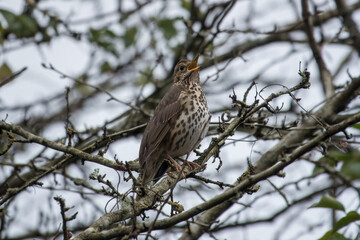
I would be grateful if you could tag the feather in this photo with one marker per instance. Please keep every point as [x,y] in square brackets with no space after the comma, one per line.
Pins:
[156,131]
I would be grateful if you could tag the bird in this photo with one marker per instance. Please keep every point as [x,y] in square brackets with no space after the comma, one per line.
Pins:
[179,123]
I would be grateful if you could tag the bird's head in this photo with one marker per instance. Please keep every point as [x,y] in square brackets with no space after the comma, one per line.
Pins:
[187,71]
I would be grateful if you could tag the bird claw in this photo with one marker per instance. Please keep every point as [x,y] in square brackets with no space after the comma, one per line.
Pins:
[189,164]
[174,164]
[178,168]
[174,175]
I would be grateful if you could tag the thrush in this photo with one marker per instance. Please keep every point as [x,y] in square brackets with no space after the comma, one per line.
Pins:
[180,122]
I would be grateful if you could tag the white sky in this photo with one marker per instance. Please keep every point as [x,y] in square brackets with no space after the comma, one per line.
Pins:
[72,58]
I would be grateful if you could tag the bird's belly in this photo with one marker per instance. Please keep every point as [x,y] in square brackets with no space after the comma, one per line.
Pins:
[191,127]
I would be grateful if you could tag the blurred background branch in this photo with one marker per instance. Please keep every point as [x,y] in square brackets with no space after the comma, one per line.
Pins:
[79,80]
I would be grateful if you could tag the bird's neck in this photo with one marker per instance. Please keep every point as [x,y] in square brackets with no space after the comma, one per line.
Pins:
[191,84]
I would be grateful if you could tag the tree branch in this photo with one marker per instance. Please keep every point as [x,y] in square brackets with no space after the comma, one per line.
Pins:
[325,74]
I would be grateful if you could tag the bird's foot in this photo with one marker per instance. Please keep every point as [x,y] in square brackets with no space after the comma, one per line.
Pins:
[175,175]
[189,164]
[174,164]
[177,167]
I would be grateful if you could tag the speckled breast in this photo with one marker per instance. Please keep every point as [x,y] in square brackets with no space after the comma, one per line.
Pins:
[192,124]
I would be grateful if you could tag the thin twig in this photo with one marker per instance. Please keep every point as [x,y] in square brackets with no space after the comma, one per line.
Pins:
[12,77]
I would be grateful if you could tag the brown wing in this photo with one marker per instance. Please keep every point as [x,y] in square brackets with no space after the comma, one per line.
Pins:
[158,127]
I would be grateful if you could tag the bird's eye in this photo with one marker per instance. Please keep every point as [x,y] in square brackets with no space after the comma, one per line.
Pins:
[182,68]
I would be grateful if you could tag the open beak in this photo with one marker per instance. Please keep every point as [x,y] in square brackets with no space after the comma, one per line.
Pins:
[193,65]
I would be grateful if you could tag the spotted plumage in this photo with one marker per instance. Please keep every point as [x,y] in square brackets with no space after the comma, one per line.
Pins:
[180,122]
